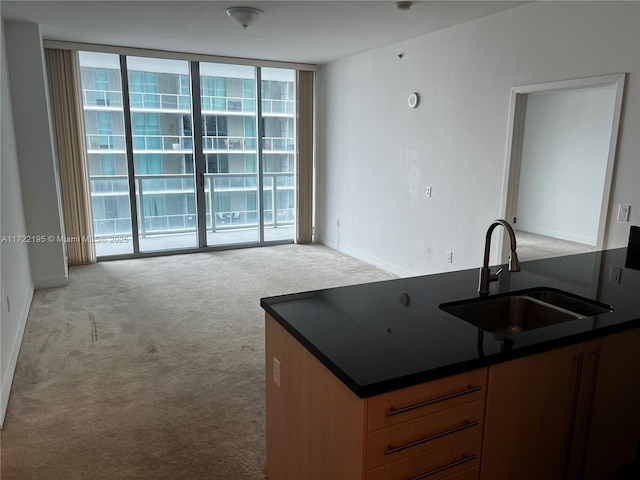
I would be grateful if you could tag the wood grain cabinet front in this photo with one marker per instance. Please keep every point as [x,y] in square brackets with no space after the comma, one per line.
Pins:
[471,474]
[606,436]
[409,403]
[403,440]
[437,464]
[430,430]
[569,413]
[317,429]
[529,416]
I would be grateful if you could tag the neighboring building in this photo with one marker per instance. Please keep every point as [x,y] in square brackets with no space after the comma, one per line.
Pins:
[162,140]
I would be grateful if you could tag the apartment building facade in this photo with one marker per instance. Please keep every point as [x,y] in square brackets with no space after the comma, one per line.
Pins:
[243,136]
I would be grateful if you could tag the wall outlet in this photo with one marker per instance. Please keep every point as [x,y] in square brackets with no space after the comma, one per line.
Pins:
[614,275]
[338,223]
[427,191]
[276,371]
[449,256]
[623,212]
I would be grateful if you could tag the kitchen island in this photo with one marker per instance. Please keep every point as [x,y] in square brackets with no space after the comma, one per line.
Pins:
[376,381]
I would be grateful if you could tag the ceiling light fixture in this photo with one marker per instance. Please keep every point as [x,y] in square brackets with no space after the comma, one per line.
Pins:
[404,6]
[244,16]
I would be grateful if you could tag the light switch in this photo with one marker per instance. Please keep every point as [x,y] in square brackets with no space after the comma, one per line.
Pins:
[623,212]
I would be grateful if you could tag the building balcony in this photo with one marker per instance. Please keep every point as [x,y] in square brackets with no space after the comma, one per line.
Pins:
[97,144]
[181,103]
[151,187]
[102,99]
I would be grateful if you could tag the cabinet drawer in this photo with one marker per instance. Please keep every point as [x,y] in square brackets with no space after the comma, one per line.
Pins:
[435,464]
[409,438]
[471,474]
[408,403]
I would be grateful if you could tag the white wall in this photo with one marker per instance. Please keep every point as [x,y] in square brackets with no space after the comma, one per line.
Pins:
[564,158]
[35,147]
[376,156]
[15,277]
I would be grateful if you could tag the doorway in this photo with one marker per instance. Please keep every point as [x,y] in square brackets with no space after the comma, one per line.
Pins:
[560,163]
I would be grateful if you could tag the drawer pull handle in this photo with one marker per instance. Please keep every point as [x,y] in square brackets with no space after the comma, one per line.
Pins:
[465,458]
[467,424]
[470,389]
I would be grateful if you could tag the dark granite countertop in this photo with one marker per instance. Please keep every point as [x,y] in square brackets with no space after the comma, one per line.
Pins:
[374,344]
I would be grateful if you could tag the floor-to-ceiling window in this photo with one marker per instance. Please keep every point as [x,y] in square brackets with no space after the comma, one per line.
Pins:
[278,152]
[230,154]
[106,152]
[144,153]
[161,125]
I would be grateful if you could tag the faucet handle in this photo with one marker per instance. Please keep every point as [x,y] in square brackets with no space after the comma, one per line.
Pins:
[494,277]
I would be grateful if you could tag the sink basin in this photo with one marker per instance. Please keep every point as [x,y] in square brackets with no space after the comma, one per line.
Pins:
[525,310]
[583,307]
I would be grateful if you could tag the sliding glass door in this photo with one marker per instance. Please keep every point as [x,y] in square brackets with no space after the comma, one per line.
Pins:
[161,127]
[278,152]
[200,154]
[230,153]
[106,152]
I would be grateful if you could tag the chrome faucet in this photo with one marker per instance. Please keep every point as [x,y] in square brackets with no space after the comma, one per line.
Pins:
[486,276]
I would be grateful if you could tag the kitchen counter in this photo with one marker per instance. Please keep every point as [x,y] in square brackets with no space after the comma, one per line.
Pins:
[374,344]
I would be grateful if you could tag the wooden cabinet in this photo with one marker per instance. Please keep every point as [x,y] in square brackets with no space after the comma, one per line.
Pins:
[431,430]
[607,430]
[529,416]
[317,429]
[437,464]
[315,424]
[570,413]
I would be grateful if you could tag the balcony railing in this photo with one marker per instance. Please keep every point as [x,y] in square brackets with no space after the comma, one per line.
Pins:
[217,142]
[177,101]
[278,143]
[154,101]
[159,101]
[149,186]
[184,144]
[106,142]
[278,106]
[102,98]
[140,142]
[162,142]
[214,103]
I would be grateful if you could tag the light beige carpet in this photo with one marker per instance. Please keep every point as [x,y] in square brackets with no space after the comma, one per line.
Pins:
[154,368]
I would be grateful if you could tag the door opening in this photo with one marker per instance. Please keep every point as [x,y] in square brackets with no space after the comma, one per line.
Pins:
[560,162]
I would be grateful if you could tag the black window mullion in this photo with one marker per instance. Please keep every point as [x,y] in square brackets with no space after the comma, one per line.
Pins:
[198,155]
[126,107]
[259,134]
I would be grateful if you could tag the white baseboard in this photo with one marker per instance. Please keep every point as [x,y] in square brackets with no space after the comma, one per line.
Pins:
[5,388]
[554,234]
[327,243]
[386,266]
[52,282]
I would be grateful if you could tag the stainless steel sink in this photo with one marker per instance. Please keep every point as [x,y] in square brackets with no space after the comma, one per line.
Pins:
[525,310]
[583,307]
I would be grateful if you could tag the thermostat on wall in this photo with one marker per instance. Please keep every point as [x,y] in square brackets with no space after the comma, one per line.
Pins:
[413,100]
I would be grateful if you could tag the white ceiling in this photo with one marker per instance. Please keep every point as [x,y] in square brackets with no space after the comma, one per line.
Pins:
[314,32]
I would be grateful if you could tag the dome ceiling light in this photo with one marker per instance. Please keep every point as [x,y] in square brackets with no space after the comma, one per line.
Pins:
[244,16]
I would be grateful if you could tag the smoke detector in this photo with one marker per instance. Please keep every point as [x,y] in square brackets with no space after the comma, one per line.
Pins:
[404,6]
